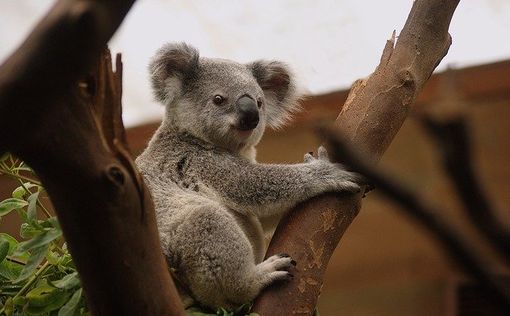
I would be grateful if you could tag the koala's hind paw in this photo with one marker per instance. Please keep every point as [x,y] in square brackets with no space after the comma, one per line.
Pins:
[275,268]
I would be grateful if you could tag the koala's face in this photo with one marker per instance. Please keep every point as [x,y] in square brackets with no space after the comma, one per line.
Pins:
[220,101]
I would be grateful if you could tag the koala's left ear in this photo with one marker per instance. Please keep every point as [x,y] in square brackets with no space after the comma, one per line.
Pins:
[280,91]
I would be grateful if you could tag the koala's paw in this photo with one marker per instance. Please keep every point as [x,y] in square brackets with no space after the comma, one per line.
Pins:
[275,268]
[334,176]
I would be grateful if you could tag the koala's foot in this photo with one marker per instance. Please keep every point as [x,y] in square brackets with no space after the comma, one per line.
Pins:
[275,268]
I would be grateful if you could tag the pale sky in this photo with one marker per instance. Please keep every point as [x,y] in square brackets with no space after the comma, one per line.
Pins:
[329,43]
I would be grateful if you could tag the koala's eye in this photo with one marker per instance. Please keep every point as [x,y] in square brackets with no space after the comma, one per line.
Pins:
[218,99]
[259,103]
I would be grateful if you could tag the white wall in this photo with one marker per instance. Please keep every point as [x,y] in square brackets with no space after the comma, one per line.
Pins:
[331,43]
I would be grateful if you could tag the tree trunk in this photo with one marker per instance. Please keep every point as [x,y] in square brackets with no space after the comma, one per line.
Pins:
[73,138]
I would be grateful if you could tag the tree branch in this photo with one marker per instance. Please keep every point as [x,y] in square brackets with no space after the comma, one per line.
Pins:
[73,138]
[451,240]
[451,134]
[371,117]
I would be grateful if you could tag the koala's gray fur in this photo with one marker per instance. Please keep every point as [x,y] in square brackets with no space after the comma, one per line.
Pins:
[208,190]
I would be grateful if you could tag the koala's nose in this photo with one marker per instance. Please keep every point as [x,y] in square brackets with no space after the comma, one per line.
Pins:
[248,113]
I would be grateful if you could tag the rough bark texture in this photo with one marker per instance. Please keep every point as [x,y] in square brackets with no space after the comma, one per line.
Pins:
[373,113]
[72,135]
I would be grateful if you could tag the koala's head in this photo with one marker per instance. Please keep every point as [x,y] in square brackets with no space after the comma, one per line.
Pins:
[221,101]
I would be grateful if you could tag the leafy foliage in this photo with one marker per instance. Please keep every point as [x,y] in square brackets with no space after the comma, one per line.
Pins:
[37,274]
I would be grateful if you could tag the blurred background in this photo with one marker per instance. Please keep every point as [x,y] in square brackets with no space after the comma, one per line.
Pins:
[385,263]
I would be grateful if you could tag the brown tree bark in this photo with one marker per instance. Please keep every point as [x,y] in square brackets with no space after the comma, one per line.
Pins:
[372,115]
[73,138]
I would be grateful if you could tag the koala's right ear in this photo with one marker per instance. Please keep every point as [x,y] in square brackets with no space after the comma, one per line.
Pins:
[169,67]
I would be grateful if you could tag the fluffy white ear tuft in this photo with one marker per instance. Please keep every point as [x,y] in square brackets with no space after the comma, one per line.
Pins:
[280,90]
[171,65]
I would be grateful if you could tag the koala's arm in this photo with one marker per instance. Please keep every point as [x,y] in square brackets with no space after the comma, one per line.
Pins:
[267,189]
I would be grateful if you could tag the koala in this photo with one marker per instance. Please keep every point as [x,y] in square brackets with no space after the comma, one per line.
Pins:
[209,192]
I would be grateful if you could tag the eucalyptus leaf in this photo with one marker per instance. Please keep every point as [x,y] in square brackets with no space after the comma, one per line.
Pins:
[70,307]
[8,205]
[4,249]
[52,257]
[20,191]
[67,282]
[29,231]
[19,300]
[44,299]
[10,270]
[11,240]
[33,262]
[42,295]
[51,222]
[32,206]
[8,307]
[40,240]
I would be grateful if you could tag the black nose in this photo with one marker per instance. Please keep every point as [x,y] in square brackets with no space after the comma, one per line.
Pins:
[248,113]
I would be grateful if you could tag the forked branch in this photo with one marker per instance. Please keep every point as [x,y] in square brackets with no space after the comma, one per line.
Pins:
[371,117]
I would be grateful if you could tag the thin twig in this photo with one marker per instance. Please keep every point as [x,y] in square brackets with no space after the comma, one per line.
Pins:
[451,240]
[18,176]
[32,280]
[45,211]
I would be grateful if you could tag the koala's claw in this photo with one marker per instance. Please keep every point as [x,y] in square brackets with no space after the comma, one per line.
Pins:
[322,153]
[309,157]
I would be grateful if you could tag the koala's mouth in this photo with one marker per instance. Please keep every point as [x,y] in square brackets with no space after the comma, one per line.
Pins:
[243,133]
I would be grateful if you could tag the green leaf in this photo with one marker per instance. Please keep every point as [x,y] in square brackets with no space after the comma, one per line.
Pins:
[243,309]
[11,240]
[10,270]
[44,299]
[33,262]
[51,222]
[19,300]
[42,295]
[40,240]
[70,307]
[8,307]
[20,191]
[223,312]
[7,205]
[32,206]
[67,282]
[28,231]
[52,257]
[4,249]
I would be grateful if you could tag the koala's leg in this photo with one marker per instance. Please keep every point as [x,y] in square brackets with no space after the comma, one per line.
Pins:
[217,260]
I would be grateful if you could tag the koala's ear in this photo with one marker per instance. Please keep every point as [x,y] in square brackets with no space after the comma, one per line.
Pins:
[169,67]
[280,91]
